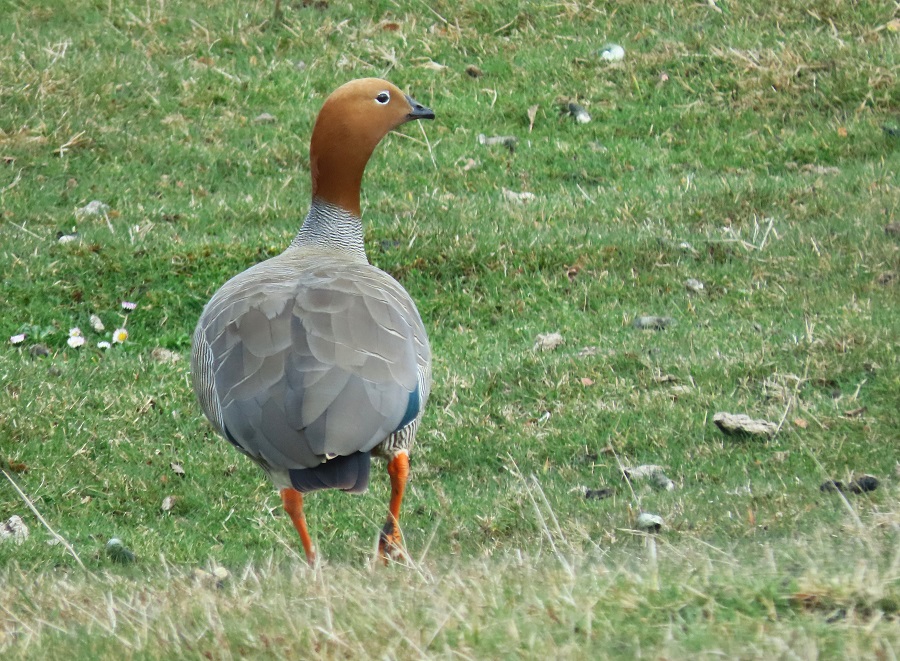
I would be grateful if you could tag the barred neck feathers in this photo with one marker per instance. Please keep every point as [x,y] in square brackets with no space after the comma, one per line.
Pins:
[331,227]
[353,120]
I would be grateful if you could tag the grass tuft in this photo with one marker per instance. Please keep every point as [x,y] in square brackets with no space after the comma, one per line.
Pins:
[747,146]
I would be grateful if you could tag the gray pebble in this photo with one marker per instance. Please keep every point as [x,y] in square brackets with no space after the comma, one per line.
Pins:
[653,323]
[118,552]
[649,522]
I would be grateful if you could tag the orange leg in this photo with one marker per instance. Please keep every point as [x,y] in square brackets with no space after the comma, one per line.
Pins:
[293,505]
[390,544]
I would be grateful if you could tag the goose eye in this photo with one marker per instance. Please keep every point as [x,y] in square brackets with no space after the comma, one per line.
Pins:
[383,98]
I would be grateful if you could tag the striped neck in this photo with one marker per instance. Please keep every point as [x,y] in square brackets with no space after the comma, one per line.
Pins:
[330,227]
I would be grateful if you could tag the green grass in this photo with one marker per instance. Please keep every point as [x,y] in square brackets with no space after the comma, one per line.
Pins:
[765,165]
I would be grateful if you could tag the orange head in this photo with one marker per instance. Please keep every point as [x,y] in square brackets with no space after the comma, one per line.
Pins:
[351,123]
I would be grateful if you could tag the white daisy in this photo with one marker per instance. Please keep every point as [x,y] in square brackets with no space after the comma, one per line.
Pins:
[17,339]
[128,305]
[119,336]
[75,332]
[103,345]
[75,341]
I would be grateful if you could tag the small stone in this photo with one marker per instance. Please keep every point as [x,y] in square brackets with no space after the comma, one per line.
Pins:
[738,424]
[93,208]
[864,483]
[599,494]
[547,342]
[649,522]
[831,486]
[168,503]
[264,118]
[38,350]
[13,530]
[517,198]
[216,578]
[694,286]
[118,552]
[652,323]
[161,355]
[651,473]
[612,53]
[813,168]
[508,141]
[579,113]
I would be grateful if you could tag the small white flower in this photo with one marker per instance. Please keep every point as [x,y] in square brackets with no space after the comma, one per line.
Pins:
[75,332]
[17,339]
[75,341]
[119,336]
[128,305]
[103,345]
[97,324]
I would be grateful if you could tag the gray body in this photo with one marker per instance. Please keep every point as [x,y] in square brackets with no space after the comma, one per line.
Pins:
[313,360]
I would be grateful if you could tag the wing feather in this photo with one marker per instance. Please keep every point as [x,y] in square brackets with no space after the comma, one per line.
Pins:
[303,357]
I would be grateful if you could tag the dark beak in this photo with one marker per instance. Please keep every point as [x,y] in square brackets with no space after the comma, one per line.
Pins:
[418,110]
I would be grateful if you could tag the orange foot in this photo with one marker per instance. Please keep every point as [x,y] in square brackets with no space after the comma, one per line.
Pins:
[390,544]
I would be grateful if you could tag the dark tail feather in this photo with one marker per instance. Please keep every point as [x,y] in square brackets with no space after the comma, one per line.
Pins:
[350,473]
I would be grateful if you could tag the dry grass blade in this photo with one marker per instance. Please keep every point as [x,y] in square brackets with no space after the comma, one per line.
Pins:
[551,535]
[31,506]
[428,144]
[26,230]
[13,183]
